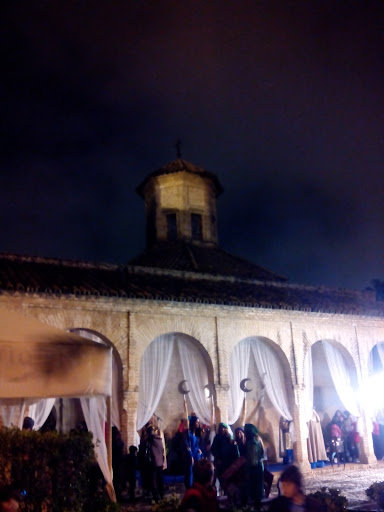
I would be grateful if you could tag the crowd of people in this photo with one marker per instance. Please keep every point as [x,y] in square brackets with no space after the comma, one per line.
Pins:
[342,438]
[237,461]
[218,462]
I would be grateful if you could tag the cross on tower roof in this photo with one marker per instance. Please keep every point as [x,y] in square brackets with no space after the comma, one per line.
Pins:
[178,148]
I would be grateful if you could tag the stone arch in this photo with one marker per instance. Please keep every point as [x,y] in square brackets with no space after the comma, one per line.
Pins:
[325,398]
[262,412]
[117,374]
[374,402]
[375,362]
[171,407]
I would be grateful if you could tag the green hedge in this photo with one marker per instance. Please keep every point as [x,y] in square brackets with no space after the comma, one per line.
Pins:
[54,472]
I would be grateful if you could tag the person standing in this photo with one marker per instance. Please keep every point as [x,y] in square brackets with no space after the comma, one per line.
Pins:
[156,450]
[254,468]
[315,441]
[117,462]
[223,449]
[240,441]
[132,466]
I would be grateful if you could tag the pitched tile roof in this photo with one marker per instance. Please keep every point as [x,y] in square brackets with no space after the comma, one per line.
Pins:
[203,259]
[21,274]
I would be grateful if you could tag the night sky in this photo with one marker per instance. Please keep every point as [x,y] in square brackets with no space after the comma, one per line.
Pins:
[282,100]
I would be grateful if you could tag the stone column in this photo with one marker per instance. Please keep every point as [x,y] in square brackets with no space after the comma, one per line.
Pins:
[130,405]
[299,420]
[364,426]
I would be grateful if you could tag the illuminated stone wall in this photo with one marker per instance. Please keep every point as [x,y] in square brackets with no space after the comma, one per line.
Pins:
[131,325]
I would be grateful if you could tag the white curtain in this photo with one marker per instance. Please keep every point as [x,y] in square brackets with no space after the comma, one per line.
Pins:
[197,376]
[380,350]
[308,383]
[269,366]
[39,411]
[340,378]
[12,412]
[238,370]
[115,412]
[154,370]
[95,415]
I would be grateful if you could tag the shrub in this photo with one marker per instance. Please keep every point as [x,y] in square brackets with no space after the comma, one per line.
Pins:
[54,471]
[376,492]
[168,504]
[332,499]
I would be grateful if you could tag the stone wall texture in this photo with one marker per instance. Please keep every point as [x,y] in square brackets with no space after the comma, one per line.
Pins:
[131,325]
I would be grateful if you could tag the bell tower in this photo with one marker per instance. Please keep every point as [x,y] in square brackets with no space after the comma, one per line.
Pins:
[180,202]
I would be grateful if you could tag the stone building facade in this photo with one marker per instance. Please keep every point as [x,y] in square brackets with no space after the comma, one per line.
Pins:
[184,284]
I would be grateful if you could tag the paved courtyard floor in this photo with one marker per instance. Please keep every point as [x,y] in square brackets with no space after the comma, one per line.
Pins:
[351,480]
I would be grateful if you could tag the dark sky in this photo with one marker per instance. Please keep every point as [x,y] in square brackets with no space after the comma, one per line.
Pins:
[283,100]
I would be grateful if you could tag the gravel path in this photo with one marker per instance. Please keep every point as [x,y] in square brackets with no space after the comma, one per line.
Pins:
[352,482]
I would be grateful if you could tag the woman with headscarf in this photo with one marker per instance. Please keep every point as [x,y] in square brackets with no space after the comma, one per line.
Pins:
[223,449]
[254,468]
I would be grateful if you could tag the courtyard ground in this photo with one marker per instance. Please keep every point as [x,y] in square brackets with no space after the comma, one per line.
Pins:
[351,480]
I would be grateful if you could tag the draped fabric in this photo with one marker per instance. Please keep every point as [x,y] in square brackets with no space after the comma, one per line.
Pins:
[340,378]
[12,414]
[380,350]
[308,383]
[238,370]
[115,412]
[95,415]
[59,364]
[154,370]
[39,361]
[39,411]
[315,441]
[269,366]
[270,372]
[197,375]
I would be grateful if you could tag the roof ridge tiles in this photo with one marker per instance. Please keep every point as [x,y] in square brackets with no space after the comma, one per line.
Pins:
[59,261]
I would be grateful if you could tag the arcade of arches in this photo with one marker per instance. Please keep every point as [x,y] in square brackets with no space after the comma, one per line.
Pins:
[294,362]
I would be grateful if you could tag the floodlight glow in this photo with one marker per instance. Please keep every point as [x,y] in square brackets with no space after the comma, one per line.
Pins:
[369,396]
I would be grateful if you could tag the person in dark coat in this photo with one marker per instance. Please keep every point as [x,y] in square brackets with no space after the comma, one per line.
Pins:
[293,496]
[240,441]
[132,466]
[223,449]
[155,446]
[117,461]
[254,468]
[145,464]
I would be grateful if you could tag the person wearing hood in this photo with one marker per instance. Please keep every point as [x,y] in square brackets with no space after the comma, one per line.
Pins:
[224,450]
[254,468]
